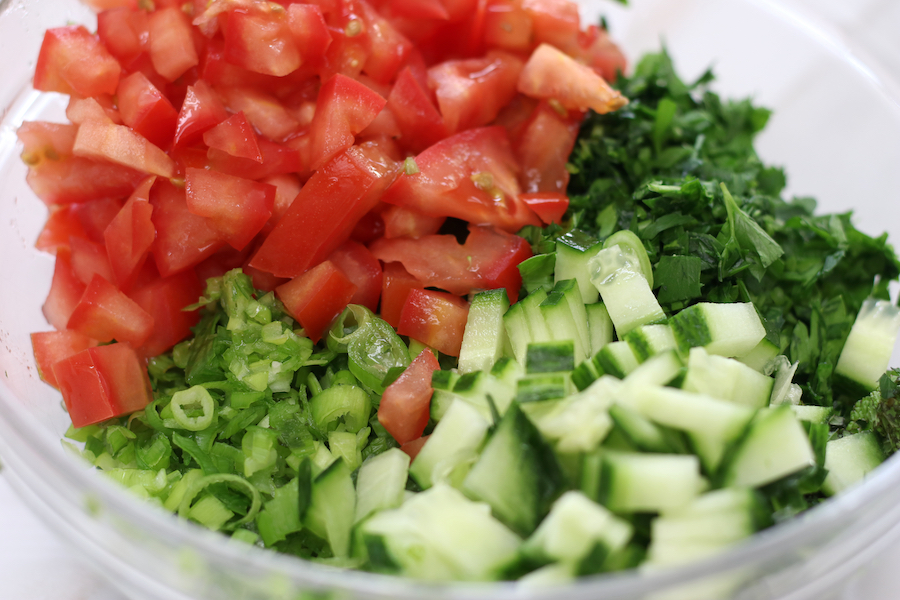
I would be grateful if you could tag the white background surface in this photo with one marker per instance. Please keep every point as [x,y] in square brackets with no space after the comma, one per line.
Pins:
[34,565]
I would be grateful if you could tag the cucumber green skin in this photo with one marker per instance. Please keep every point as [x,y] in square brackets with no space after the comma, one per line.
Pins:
[550,357]
[518,473]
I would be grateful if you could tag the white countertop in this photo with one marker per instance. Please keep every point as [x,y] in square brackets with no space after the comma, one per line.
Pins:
[35,565]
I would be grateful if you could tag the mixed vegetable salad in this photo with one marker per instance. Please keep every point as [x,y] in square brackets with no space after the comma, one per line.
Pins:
[407,286]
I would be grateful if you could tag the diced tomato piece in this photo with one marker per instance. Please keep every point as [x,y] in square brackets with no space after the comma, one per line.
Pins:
[73,61]
[222,261]
[555,22]
[123,146]
[62,224]
[105,314]
[183,239]
[278,159]
[80,110]
[172,47]
[103,382]
[65,291]
[263,110]
[45,141]
[595,49]
[146,110]
[130,236]
[420,123]
[260,40]
[396,285]
[164,299]
[310,31]
[543,149]
[344,108]
[124,32]
[235,136]
[471,176]
[362,269]
[287,187]
[51,347]
[389,47]
[325,211]
[262,280]
[413,448]
[487,260]
[406,404]
[89,259]
[549,206]
[317,297]
[400,221]
[471,92]
[202,109]
[96,215]
[237,208]
[550,73]
[507,25]
[437,319]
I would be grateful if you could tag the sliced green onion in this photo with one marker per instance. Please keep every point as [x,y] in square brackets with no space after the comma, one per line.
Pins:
[210,512]
[258,445]
[281,515]
[372,348]
[235,481]
[194,408]
[350,402]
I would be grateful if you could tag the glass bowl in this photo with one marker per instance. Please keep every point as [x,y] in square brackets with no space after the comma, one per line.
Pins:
[837,130]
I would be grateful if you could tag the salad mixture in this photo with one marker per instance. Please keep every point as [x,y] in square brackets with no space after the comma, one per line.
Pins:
[407,286]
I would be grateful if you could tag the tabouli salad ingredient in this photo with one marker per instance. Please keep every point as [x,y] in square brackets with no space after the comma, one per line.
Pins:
[413,354]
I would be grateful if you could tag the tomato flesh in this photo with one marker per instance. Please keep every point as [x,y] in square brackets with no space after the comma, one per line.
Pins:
[437,319]
[405,405]
[317,297]
[105,314]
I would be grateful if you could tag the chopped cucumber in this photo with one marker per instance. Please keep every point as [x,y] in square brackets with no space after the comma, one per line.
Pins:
[724,329]
[624,290]
[635,482]
[573,252]
[451,446]
[868,349]
[482,342]
[849,459]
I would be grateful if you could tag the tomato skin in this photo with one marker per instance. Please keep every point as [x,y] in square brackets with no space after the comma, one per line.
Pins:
[51,347]
[550,206]
[237,208]
[396,285]
[325,211]
[488,259]
[445,185]
[103,382]
[437,319]
[130,235]
[235,136]
[172,48]
[183,239]
[164,299]
[344,108]
[317,297]
[146,110]
[65,291]
[406,404]
[105,314]
[550,73]
[261,41]
[73,61]
[121,145]
[362,269]
[413,448]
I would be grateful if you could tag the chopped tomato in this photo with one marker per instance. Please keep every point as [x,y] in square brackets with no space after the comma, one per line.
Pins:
[105,314]
[286,189]
[146,110]
[260,40]
[130,235]
[65,291]
[262,109]
[121,145]
[550,73]
[123,32]
[62,224]
[437,319]
[396,285]
[171,43]
[80,110]
[471,176]
[369,228]
[488,259]
[325,211]
[165,299]
[419,121]
[183,239]
[278,159]
[345,107]
[317,297]
[400,221]
[413,448]
[51,347]
[73,61]
[543,147]
[202,109]
[235,136]
[555,22]
[362,269]
[507,25]
[237,208]
[89,259]
[406,404]
[96,215]
[103,382]
[310,31]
